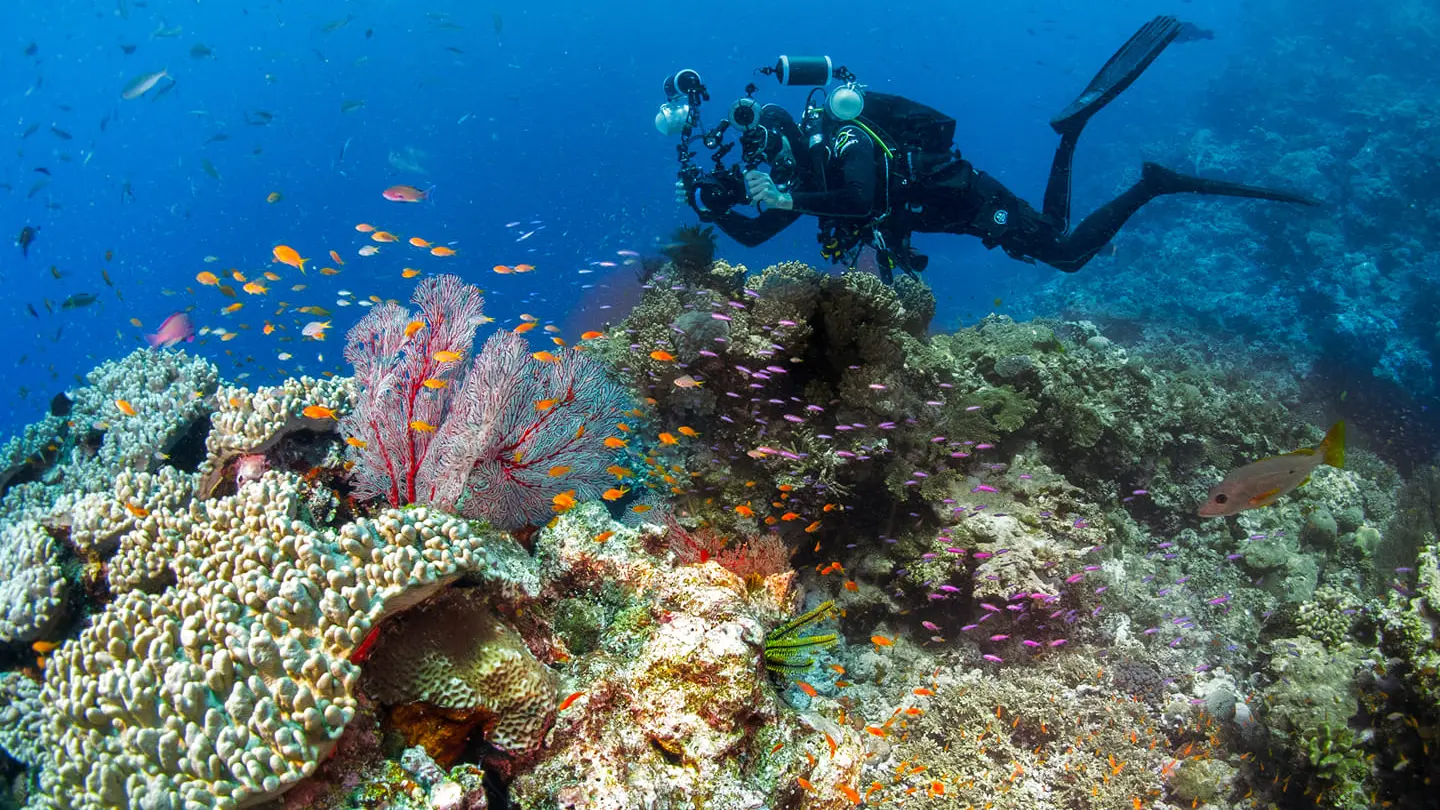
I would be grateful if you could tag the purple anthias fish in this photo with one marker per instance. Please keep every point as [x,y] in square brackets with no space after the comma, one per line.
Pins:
[176,329]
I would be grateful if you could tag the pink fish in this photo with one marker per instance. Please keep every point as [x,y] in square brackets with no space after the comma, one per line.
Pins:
[176,328]
[406,194]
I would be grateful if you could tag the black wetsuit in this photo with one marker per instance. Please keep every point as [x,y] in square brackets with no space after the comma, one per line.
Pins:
[862,198]
[952,197]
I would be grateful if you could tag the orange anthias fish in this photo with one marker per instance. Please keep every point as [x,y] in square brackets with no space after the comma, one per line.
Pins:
[441,250]
[318,412]
[406,194]
[1262,482]
[565,501]
[288,255]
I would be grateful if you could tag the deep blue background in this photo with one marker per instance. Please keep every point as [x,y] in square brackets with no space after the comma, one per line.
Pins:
[557,112]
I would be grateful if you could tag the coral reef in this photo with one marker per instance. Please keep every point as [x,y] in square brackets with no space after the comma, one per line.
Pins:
[168,392]
[33,593]
[455,654]
[264,423]
[234,679]
[22,717]
[1042,732]
[673,705]
[1003,594]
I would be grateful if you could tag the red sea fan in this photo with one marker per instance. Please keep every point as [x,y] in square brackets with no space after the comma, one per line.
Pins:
[523,431]
[760,556]
[391,430]
[693,546]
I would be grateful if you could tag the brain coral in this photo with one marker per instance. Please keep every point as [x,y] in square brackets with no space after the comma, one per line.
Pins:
[226,686]
[455,653]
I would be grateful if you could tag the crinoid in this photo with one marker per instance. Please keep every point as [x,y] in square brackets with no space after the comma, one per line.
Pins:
[784,645]
[692,251]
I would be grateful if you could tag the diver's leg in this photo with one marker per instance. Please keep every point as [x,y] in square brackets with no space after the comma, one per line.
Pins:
[1057,190]
[1072,251]
[1119,73]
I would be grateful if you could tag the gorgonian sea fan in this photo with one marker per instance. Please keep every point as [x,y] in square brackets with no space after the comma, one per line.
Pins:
[395,352]
[522,431]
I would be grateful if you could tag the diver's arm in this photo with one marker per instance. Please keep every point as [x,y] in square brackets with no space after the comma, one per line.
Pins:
[856,194]
[751,231]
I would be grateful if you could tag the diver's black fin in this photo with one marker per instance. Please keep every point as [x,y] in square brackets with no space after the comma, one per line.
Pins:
[1165,181]
[1119,73]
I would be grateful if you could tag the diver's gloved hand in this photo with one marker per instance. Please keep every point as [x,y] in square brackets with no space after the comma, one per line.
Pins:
[763,191]
[682,193]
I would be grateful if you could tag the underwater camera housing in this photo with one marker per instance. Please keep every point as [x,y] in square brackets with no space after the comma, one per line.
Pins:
[723,187]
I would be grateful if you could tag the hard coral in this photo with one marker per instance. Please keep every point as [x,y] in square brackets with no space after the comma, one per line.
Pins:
[1018,744]
[34,592]
[268,422]
[230,683]
[455,654]
[82,452]
[674,706]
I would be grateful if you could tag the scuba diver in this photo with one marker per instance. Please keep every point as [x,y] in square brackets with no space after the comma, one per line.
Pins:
[875,168]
